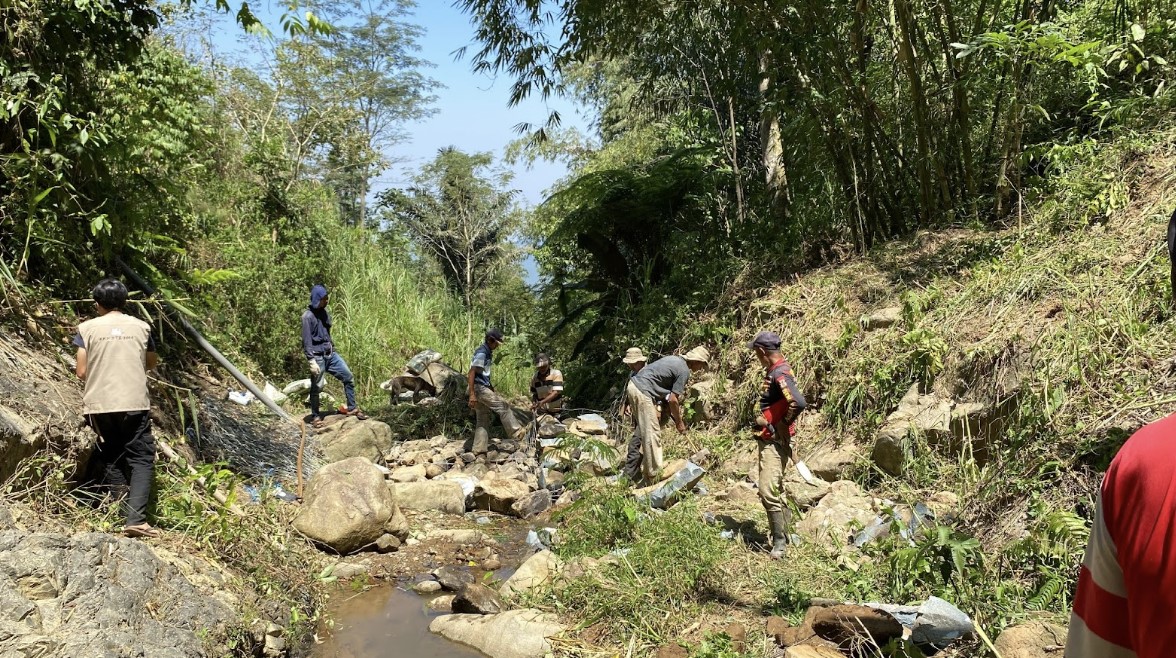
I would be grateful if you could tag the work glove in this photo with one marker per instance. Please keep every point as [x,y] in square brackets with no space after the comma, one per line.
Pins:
[314,367]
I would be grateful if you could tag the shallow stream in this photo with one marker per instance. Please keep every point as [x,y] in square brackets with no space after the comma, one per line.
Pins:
[384,622]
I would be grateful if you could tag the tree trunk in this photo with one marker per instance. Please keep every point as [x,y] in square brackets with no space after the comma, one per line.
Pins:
[771,142]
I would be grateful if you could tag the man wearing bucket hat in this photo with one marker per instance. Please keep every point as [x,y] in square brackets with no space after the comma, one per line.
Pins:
[546,387]
[780,403]
[663,380]
[485,402]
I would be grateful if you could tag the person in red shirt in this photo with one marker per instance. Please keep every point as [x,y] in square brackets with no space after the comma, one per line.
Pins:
[1127,587]
[780,403]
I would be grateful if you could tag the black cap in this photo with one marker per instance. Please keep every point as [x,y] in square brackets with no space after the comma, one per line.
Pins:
[768,340]
[494,335]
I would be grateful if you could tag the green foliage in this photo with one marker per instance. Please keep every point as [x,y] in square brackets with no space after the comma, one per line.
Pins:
[601,520]
[459,213]
[716,645]
[635,593]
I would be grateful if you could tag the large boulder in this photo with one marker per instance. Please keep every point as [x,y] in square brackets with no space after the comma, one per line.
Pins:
[499,494]
[94,595]
[845,506]
[440,495]
[539,570]
[346,506]
[1036,639]
[514,634]
[351,437]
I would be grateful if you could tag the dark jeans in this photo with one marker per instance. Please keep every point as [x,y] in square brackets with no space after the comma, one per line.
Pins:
[331,364]
[633,460]
[125,458]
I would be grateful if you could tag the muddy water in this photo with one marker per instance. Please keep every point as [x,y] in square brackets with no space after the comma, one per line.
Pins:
[384,622]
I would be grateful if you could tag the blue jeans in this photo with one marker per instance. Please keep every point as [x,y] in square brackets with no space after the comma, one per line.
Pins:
[332,364]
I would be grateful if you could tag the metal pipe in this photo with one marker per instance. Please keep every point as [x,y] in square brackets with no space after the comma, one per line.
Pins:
[206,346]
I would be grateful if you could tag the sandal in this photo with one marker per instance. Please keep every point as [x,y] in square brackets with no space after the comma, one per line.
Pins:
[352,412]
[142,531]
[318,422]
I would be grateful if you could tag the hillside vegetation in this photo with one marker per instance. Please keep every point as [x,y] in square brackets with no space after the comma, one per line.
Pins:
[1058,329]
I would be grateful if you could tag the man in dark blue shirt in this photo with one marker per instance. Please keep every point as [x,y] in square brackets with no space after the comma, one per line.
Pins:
[663,380]
[484,400]
[322,358]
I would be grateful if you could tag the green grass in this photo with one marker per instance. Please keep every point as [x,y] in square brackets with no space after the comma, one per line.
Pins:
[661,578]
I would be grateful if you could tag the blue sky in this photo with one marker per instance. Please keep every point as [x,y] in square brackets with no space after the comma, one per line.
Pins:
[472,108]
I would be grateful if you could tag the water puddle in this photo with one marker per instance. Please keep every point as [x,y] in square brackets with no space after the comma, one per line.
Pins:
[381,622]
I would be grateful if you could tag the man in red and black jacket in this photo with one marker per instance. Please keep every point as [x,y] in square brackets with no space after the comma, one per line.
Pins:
[1127,584]
[780,403]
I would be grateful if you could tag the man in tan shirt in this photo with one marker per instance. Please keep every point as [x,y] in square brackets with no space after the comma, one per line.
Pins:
[115,351]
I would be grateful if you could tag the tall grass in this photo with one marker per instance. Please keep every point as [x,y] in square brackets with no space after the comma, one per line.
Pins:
[385,311]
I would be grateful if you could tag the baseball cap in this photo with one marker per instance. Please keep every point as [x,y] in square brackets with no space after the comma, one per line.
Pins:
[494,334]
[768,340]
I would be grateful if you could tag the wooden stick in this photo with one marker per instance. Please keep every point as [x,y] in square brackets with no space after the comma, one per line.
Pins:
[301,446]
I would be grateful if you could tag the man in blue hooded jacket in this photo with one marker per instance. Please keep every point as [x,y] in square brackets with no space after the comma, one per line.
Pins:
[321,356]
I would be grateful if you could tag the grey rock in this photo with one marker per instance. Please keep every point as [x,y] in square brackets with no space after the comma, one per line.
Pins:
[408,473]
[427,587]
[835,463]
[458,535]
[477,599]
[453,578]
[443,603]
[512,634]
[844,508]
[532,504]
[499,494]
[889,453]
[440,495]
[348,570]
[539,570]
[346,505]
[882,319]
[100,596]
[351,437]
[387,544]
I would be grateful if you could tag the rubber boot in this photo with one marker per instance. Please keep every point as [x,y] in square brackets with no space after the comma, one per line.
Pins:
[778,527]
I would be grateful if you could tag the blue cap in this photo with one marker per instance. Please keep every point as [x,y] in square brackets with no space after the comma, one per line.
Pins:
[768,340]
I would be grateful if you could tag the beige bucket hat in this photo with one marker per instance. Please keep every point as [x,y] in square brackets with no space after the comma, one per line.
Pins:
[634,355]
[699,354]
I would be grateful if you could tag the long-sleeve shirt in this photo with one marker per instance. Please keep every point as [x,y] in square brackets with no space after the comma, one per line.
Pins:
[1127,586]
[781,401]
[316,333]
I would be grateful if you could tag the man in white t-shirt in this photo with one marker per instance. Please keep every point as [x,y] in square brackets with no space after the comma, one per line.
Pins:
[115,351]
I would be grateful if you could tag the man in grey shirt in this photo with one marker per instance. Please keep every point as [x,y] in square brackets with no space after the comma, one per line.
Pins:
[663,380]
